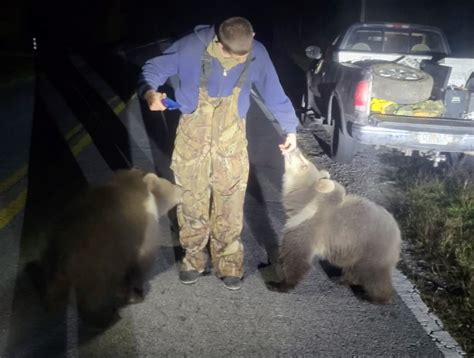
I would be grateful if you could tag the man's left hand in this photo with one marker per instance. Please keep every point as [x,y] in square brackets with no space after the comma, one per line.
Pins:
[290,143]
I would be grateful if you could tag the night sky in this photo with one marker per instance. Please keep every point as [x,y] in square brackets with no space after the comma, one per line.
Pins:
[95,23]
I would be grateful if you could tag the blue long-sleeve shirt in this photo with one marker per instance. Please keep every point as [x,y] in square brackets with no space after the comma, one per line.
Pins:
[183,59]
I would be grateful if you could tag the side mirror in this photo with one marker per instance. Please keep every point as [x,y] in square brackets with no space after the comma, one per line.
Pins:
[313,52]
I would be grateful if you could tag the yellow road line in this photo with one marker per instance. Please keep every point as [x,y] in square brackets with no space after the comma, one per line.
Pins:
[83,142]
[19,174]
[9,182]
[116,108]
[113,99]
[73,132]
[12,209]
[8,213]
[119,108]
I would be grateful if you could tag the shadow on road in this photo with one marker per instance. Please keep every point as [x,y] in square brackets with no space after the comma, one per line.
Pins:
[258,220]
[54,178]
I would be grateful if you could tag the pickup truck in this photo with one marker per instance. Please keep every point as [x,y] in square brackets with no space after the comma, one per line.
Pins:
[406,66]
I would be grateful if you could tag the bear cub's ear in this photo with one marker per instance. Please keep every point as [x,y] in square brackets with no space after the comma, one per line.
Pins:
[325,185]
[151,180]
[167,194]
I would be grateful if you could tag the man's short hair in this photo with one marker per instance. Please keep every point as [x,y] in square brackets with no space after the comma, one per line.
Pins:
[236,35]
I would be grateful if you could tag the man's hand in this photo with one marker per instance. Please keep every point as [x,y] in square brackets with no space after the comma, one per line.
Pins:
[290,143]
[153,99]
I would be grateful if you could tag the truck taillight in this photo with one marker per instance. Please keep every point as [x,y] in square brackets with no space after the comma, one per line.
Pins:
[362,96]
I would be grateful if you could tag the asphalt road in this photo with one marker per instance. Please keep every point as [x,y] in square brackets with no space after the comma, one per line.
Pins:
[319,318]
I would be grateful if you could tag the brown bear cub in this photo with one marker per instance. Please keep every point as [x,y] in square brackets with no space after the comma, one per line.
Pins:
[104,245]
[351,232]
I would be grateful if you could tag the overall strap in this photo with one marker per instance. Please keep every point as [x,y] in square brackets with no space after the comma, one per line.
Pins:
[206,68]
[245,71]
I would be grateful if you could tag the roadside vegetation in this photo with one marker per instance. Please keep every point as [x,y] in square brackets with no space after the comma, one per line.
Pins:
[436,215]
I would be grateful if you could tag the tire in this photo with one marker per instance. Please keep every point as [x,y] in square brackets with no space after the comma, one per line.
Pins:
[343,146]
[401,84]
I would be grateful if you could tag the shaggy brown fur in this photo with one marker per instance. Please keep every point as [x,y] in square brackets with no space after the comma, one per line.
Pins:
[351,232]
[104,245]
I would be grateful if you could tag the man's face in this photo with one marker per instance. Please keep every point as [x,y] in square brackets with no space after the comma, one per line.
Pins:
[227,54]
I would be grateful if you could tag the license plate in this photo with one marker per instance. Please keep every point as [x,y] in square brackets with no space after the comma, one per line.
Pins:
[434,138]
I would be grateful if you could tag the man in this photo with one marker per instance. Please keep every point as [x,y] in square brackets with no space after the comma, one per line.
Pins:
[210,160]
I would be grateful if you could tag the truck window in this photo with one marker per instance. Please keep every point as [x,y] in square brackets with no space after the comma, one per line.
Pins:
[394,41]
[426,41]
[365,40]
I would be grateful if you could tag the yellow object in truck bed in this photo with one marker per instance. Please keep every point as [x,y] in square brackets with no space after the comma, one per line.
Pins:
[427,108]
[423,109]
[383,106]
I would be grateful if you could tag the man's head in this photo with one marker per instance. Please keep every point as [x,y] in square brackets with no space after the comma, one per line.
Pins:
[235,37]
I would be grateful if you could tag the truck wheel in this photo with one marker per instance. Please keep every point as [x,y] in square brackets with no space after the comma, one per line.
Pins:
[401,84]
[343,146]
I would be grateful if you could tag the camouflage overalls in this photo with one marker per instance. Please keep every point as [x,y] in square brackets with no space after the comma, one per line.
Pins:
[210,162]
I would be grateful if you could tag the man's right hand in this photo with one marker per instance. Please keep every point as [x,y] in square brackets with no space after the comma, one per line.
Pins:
[153,100]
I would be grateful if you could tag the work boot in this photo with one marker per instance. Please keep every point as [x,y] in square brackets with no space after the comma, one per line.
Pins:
[232,283]
[188,277]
